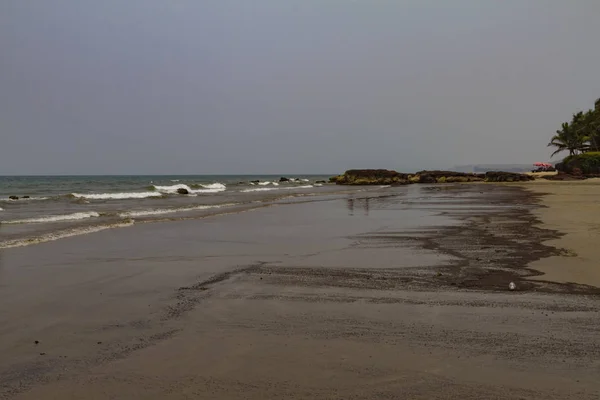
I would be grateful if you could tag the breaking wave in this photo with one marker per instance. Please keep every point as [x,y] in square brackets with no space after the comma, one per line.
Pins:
[54,218]
[61,235]
[161,211]
[211,188]
[270,189]
[116,196]
[215,186]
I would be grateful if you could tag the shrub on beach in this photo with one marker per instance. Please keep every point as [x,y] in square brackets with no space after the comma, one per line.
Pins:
[585,163]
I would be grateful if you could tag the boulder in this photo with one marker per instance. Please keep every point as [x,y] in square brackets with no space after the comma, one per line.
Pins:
[26,197]
[13,197]
[320,182]
[256,181]
[183,191]
[500,176]
[371,177]
[284,179]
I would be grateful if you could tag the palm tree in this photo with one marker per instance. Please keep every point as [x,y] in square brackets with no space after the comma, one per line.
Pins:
[568,138]
[591,121]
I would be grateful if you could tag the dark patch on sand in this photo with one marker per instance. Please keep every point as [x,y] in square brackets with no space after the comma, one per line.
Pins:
[490,248]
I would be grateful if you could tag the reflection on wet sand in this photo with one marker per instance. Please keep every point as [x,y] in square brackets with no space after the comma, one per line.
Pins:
[361,203]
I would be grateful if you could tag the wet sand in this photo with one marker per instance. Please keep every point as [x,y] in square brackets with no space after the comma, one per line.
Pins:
[397,294]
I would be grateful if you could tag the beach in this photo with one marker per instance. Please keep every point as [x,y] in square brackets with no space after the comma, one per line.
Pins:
[378,293]
[571,208]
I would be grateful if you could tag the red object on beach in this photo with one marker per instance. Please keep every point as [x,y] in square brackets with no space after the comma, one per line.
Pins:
[542,164]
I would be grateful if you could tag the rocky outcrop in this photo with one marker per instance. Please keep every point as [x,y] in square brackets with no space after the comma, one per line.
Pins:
[387,177]
[563,177]
[371,177]
[445,177]
[284,179]
[320,182]
[13,197]
[183,191]
[499,176]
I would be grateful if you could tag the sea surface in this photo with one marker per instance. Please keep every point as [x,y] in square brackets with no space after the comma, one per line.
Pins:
[52,207]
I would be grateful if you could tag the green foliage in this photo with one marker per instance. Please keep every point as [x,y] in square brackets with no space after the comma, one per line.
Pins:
[588,163]
[590,156]
[580,135]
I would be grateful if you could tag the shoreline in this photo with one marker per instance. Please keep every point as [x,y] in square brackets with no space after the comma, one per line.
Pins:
[399,293]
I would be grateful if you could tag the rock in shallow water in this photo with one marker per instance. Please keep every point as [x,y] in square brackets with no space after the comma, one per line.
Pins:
[183,191]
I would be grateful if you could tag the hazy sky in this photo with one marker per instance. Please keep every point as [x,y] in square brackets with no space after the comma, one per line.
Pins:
[282,86]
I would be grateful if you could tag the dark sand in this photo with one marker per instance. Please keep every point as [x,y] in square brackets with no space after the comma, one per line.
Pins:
[398,294]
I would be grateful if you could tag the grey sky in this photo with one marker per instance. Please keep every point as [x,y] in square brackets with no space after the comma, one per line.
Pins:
[282,86]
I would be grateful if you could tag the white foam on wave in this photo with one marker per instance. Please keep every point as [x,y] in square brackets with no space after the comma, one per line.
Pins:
[61,235]
[161,211]
[258,190]
[55,218]
[269,189]
[210,188]
[264,183]
[116,196]
[172,188]
[215,186]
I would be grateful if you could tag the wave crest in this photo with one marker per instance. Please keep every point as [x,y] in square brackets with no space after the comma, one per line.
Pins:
[172,189]
[116,196]
[270,189]
[161,211]
[55,218]
[62,234]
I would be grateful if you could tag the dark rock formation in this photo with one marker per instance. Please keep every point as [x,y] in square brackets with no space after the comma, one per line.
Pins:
[256,181]
[499,176]
[25,197]
[371,177]
[284,179]
[563,177]
[183,191]
[13,197]
[320,182]
[446,177]
[387,177]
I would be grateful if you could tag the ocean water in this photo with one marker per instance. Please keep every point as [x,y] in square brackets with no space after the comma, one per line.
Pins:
[51,207]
